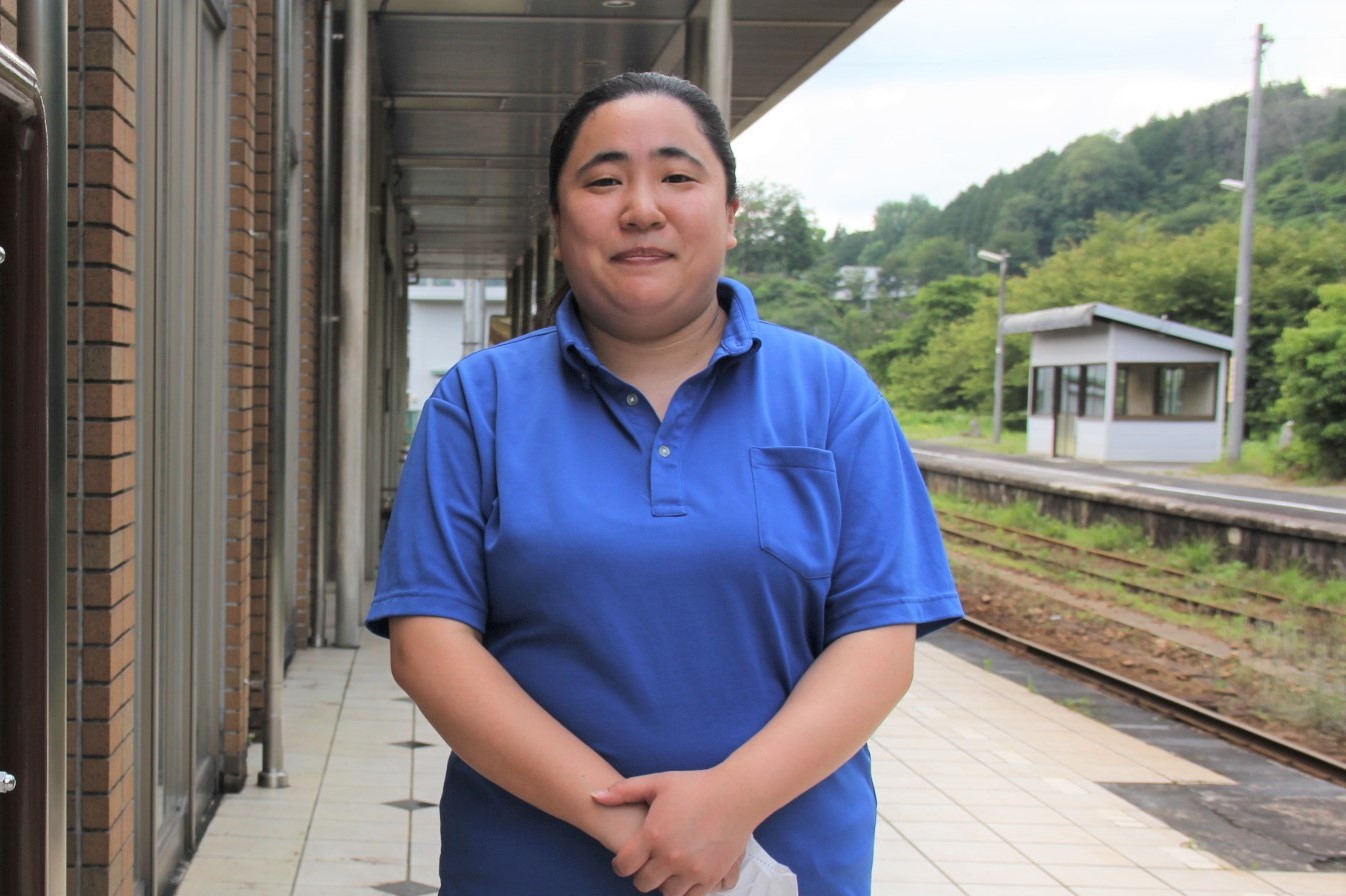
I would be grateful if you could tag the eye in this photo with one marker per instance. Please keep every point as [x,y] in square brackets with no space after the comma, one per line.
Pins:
[680,179]
[606,181]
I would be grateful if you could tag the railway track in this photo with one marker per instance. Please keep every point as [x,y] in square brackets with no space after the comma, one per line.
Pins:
[1275,748]
[1259,608]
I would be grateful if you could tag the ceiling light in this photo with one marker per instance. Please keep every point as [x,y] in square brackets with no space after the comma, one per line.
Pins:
[619,4]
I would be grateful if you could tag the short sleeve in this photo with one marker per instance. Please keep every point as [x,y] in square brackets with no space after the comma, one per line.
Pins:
[432,562]
[891,564]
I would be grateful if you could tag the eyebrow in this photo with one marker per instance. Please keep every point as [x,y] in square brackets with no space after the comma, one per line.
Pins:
[663,152]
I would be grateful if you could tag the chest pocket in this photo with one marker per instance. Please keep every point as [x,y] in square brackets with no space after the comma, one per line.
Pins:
[798,507]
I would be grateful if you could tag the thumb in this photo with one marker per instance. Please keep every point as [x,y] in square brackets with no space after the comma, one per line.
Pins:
[627,790]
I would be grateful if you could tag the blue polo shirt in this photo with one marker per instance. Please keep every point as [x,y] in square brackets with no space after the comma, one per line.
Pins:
[659,586]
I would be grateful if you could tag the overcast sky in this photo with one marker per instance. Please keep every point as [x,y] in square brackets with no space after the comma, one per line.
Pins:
[942,94]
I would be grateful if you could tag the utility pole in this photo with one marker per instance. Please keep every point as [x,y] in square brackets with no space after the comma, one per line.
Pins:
[1243,288]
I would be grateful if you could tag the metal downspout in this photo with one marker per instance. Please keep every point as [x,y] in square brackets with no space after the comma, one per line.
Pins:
[353,351]
[326,317]
[43,42]
[282,497]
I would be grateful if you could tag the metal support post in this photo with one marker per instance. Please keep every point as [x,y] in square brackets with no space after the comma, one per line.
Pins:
[282,497]
[720,56]
[353,349]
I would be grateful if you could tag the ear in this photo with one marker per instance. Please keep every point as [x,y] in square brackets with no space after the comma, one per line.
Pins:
[555,236]
[732,211]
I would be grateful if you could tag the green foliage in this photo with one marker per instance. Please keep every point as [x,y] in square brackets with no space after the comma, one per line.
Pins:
[1312,363]
[924,314]
[776,234]
[807,304]
[1096,174]
[1308,186]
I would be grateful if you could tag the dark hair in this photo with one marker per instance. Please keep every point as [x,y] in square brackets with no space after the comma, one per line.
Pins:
[630,84]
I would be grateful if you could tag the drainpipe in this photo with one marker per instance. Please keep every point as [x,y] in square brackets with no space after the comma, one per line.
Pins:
[282,497]
[43,41]
[326,317]
[353,350]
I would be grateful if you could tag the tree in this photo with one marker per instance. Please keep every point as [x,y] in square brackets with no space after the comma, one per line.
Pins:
[1311,361]
[932,310]
[1095,174]
[776,234]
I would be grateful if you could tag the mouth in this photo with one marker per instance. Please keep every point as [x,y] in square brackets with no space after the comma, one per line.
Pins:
[643,254]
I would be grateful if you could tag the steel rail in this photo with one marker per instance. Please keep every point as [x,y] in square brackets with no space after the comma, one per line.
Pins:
[1281,602]
[1233,590]
[1301,758]
[1194,603]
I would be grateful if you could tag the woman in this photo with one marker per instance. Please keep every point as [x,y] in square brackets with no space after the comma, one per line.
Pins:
[656,573]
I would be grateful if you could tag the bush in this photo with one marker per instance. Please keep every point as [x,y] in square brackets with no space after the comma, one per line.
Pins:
[1312,364]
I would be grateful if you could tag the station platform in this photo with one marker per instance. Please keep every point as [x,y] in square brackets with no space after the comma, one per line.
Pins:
[991,781]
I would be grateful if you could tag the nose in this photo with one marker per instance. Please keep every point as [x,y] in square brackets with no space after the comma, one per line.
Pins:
[641,210]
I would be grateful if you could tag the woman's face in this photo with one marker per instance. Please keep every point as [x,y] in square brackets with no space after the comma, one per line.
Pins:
[643,225]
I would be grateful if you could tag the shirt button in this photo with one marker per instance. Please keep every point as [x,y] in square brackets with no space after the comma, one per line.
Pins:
[665,451]
[631,399]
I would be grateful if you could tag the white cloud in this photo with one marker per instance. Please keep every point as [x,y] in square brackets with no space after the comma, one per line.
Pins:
[944,93]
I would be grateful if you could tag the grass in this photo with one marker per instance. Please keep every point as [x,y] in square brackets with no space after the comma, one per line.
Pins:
[961,428]
[1199,557]
[1258,457]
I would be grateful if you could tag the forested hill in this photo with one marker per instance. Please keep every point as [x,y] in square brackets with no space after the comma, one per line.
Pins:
[1137,221]
[1168,167]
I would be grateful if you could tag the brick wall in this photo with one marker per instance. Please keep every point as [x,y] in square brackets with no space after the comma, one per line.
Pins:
[9,30]
[101,444]
[240,487]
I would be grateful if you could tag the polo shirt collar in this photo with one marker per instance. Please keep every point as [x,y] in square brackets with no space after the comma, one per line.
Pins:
[741,335]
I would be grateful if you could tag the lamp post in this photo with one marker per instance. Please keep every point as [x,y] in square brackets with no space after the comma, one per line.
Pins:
[1238,376]
[1001,258]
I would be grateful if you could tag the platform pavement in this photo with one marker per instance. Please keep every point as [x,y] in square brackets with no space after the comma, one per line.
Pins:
[985,789]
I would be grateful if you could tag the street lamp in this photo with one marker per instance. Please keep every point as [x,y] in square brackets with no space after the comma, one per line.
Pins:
[1001,258]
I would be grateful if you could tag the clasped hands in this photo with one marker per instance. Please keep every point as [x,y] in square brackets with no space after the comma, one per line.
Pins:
[692,838]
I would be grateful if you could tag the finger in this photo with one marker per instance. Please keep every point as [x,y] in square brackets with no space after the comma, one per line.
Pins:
[632,858]
[679,886]
[698,891]
[731,877]
[628,790]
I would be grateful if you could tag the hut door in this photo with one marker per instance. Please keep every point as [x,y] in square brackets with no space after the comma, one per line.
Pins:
[1070,388]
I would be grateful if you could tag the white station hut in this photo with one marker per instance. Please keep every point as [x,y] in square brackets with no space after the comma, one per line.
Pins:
[1108,384]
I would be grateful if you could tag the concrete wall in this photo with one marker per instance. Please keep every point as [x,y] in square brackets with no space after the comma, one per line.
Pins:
[1262,540]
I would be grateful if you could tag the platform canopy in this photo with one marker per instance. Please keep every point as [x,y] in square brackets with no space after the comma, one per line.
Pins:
[471,90]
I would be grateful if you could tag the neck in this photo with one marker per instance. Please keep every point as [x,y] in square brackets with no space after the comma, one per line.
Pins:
[687,349]
[658,366]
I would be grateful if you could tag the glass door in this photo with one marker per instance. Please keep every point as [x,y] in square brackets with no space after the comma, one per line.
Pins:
[1071,390]
[182,436]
